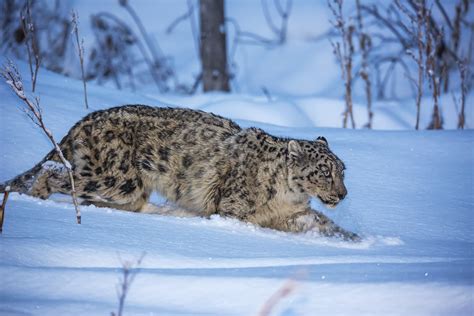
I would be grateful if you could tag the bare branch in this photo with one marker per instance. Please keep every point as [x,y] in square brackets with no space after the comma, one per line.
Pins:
[464,74]
[153,48]
[189,14]
[344,54]
[186,15]
[434,72]
[80,51]
[12,77]
[444,14]
[365,44]
[419,22]
[31,42]
[2,207]
[283,13]
[129,272]
[375,12]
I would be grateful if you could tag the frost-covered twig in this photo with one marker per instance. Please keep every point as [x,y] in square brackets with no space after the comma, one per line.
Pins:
[32,108]
[129,272]
[80,51]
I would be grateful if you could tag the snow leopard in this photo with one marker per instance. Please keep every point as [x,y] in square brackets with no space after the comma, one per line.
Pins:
[203,163]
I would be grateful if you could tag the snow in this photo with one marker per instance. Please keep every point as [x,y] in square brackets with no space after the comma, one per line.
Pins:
[54,166]
[411,198]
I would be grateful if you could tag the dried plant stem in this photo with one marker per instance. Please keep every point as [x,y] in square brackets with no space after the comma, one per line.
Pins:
[129,272]
[364,45]
[433,71]
[80,51]
[420,15]
[348,84]
[155,51]
[2,208]
[34,112]
[286,289]
[183,17]
[31,43]
[417,21]
[283,13]
[463,72]
[344,56]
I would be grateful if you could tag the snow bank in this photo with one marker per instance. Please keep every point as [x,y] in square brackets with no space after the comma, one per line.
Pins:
[410,197]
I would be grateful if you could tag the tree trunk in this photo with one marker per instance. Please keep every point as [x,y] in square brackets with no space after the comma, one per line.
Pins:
[213,46]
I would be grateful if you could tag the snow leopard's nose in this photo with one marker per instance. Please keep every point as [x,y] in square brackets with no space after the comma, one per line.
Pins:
[342,194]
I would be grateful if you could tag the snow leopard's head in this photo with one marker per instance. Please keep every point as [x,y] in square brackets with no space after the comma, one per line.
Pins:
[314,170]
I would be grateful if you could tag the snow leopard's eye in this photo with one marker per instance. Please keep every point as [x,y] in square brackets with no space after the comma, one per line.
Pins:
[325,170]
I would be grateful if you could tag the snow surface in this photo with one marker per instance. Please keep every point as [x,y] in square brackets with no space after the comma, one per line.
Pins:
[411,197]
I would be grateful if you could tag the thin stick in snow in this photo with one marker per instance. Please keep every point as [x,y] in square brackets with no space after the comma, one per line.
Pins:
[2,208]
[80,51]
[129,272]
[34,112]
[288,288]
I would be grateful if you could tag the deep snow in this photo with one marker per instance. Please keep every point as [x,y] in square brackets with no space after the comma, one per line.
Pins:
[410,196]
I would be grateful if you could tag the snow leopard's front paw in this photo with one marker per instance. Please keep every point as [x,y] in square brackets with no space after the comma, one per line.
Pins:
[347,235]
[326,227]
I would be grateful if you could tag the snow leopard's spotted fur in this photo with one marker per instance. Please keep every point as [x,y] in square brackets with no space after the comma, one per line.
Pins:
[204,163]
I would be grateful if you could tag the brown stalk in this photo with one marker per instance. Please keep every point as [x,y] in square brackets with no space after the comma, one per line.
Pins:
[344,56]
[80,51]
[31,42]
[463,72]
[432,71]
[364,45]
[287,288]
[2,208]
[34,112]
[129,272]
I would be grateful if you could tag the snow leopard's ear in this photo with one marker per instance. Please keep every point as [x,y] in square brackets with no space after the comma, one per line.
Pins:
[322,140]
[294,150]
